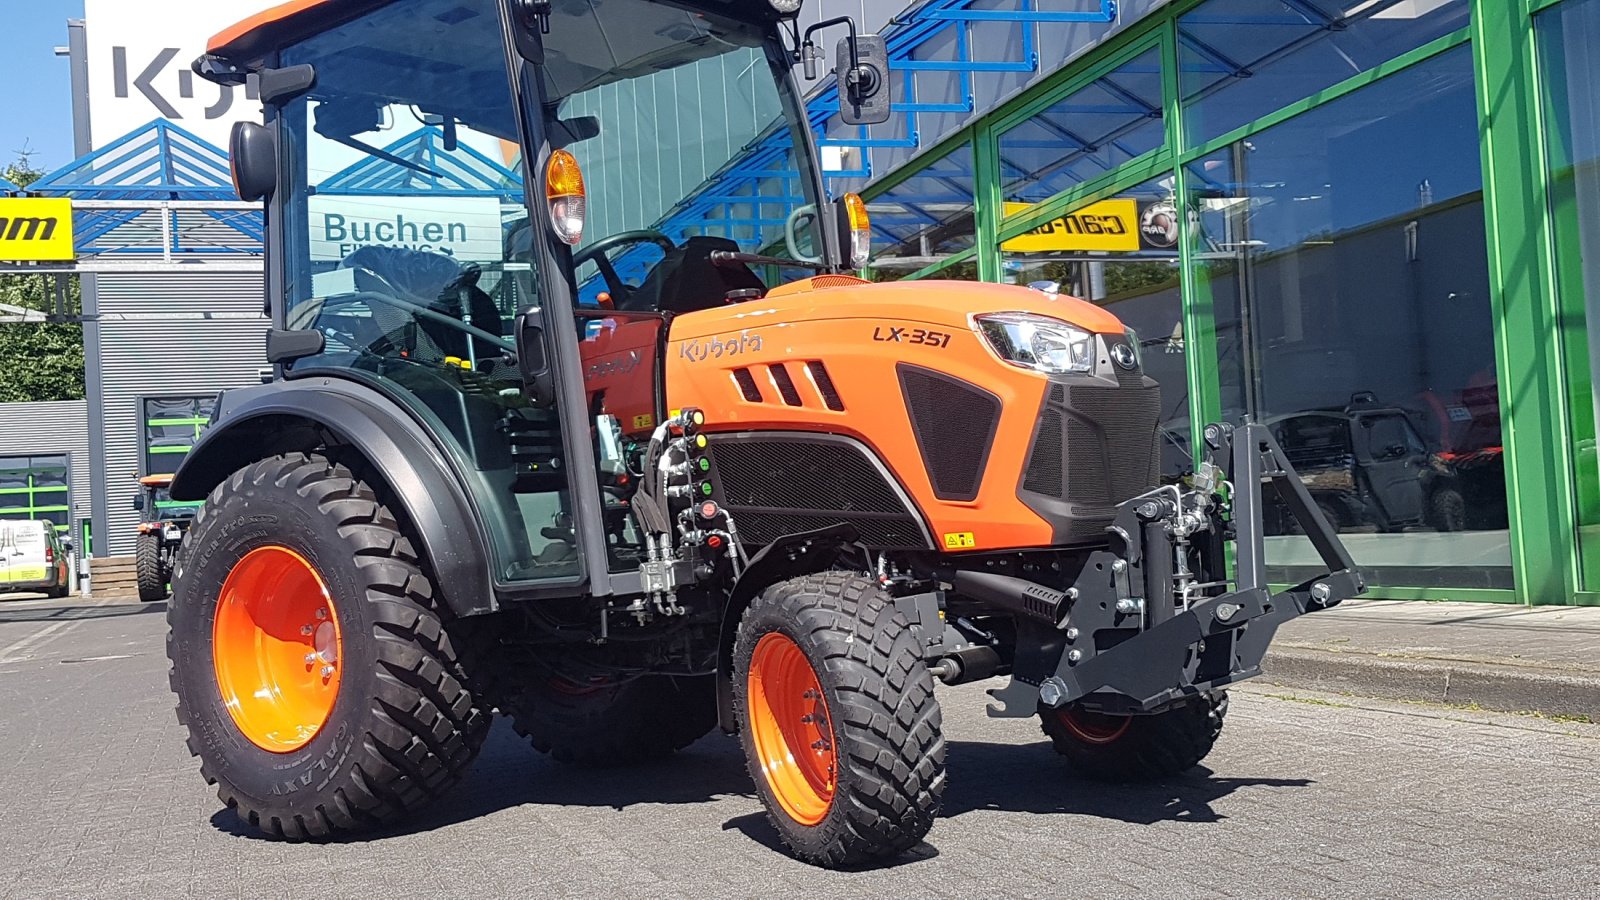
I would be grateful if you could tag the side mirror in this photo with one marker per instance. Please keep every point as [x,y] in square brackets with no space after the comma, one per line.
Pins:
[863,68]
[533,356]
[253,156]
[68,546]
[138,502]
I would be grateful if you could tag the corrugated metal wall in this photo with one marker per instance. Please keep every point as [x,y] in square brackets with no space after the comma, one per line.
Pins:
[172,335]
[49,429]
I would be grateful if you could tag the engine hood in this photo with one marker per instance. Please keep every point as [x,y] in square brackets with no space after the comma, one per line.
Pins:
[943,304]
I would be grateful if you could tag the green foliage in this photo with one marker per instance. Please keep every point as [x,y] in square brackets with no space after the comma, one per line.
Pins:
[22,173]
[44,361]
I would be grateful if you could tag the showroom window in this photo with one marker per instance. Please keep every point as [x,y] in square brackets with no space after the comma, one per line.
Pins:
[1091,131]
[1344,254]
[36,487]
[1568,34]
[172,425]
[1242,59]
[925,219]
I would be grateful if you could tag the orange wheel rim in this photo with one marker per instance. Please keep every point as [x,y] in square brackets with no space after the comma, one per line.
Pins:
[1093,727]
[792,730]
[276,648]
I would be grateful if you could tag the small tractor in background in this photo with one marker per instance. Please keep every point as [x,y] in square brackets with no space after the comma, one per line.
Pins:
[163,523]
[783,506]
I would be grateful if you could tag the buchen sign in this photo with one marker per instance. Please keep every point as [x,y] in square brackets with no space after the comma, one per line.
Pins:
[1110,225]
[36,229]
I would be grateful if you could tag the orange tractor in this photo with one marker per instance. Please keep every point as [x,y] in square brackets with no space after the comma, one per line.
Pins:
[542,447]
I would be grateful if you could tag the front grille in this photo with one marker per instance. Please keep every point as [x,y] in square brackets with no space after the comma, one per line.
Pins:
[954,422]
[777,485]
[1095,446]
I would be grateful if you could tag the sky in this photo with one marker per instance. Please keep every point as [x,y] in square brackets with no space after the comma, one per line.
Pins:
[35,96]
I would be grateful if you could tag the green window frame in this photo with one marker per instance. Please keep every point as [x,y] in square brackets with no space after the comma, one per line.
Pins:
[32,500]
[170,426]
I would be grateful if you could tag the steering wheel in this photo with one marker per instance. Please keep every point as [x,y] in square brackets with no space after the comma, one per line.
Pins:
[599,253]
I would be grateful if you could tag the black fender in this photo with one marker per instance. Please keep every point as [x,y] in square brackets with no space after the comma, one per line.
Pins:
[789,557]
[254,423]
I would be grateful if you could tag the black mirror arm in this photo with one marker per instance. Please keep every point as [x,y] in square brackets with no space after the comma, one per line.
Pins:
[807,53]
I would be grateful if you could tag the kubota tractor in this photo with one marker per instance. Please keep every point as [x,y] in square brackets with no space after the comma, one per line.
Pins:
[551,437]
[162,525]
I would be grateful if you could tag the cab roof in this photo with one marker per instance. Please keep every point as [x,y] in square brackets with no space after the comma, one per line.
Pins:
[247,43]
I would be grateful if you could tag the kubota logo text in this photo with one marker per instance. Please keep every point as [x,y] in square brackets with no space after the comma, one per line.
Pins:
[716,348]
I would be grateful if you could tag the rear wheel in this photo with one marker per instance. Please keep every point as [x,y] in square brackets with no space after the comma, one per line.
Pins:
[613,723]
[151,575]
[313,673]
[837,716]
[1136,748]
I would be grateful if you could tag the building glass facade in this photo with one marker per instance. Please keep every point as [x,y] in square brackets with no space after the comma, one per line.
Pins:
[1368,224]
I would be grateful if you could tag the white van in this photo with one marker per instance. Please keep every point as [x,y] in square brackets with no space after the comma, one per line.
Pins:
[31,558]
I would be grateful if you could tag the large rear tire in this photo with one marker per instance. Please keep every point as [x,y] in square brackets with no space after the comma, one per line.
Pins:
[838,719]
[612,723]
[1136,748]
[150,574]
[313,672]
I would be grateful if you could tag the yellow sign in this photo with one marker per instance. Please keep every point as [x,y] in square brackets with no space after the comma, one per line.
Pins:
[959,540]
[1107,225]
[36,229]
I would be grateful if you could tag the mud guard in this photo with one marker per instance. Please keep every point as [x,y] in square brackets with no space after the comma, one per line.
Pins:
[285,417]
[791,556]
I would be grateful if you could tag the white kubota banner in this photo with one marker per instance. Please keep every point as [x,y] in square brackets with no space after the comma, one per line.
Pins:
[139,56]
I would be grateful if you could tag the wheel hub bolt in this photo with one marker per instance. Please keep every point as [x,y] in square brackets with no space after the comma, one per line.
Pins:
[322,614]
[311,659]
[327,671]
[306,630]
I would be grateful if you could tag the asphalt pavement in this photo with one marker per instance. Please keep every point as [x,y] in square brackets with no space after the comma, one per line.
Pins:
[1306,795]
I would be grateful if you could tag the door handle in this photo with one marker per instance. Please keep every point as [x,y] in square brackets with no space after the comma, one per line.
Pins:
[533,359]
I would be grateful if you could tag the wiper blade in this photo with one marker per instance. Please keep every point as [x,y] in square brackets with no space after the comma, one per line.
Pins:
[387,156]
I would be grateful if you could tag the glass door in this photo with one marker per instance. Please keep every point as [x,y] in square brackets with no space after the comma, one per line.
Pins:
[1567,35]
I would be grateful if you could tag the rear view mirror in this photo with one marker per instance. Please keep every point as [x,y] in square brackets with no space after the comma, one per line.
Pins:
[863,67]
[138,502]
[253,156]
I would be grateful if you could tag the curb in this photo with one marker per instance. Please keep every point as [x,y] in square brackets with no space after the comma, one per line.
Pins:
[1507,688]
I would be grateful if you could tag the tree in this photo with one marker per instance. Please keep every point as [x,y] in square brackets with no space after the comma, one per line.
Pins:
[38,361]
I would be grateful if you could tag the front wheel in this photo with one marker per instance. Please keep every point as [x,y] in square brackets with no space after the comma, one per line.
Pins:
[838,720]
[313,672]
[1136,748]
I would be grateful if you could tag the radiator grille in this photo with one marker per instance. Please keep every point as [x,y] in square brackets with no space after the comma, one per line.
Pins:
[747,385]
[780,377]
[1095,446]
[954,422]
[830,394]
[783,484]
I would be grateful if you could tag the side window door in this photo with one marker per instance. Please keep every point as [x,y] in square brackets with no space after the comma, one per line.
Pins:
[401,250]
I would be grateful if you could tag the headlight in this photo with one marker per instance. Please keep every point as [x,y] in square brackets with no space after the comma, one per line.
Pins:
[1038,342]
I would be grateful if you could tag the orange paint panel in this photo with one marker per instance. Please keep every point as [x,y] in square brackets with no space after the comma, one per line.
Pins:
[262,20]
[861,334]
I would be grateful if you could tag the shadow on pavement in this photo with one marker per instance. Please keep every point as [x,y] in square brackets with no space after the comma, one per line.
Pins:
[1027,778]
[74,613]
[1033,779]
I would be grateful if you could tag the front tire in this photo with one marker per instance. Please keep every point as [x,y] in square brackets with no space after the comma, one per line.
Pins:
[1136,748]
[313,672]
[151,575]
[838,720]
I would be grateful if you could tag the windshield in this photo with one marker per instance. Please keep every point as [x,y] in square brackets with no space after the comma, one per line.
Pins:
[678,120]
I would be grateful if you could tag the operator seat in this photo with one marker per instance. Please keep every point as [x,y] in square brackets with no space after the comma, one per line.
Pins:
[441,284]
[687,280]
